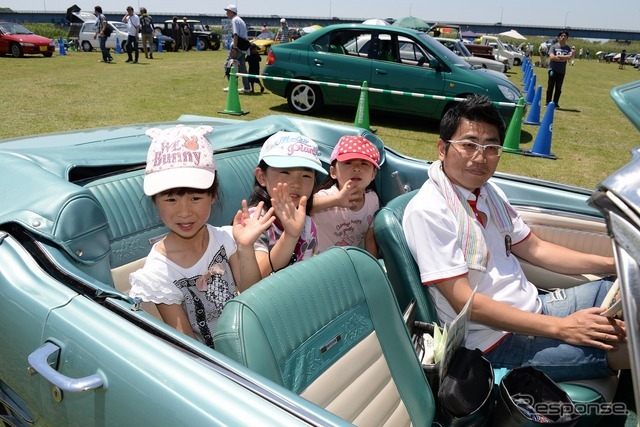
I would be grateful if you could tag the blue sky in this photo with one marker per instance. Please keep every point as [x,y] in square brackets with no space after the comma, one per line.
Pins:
[619,14]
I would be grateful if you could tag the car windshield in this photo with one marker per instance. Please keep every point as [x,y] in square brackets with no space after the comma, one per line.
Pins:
[197,26]
[9,28]
[443,51]
[266,36]
[121,26]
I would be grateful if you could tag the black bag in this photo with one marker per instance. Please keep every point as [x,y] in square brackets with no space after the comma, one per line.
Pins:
[528,397]
[465,396]
[108,30]
[243,44]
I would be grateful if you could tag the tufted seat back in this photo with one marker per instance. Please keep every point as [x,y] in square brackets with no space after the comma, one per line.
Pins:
[330,329]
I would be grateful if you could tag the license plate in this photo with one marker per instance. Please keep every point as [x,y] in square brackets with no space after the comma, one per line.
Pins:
[43,48]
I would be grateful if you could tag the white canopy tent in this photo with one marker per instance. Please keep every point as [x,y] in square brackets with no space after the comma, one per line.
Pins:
[513,34]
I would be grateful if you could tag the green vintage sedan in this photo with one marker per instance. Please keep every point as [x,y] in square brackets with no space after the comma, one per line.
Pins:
[389,59]
[320,343]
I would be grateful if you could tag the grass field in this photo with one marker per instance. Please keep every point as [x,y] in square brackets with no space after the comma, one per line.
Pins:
[591,137]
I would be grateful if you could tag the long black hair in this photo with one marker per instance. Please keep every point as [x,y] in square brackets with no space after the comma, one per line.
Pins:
[260,193]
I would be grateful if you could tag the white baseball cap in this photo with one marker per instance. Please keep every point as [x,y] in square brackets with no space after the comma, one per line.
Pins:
[282,20]
[179,157]
[232,8]
[291,150]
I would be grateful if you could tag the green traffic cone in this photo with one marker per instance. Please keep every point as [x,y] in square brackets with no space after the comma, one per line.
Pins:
[512,138]
[233,99]
[362,115]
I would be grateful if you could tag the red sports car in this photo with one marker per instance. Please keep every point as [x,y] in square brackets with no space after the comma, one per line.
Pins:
[17,40]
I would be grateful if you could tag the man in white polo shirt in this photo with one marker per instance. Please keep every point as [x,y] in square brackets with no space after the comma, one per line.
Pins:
[464,234]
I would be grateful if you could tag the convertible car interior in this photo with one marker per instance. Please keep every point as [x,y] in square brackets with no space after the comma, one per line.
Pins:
[91,226]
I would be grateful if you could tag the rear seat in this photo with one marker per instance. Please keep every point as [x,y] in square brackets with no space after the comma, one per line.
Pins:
[134,223]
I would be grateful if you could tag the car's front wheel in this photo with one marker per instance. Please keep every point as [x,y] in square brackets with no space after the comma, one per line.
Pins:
[16,50]
[304,98]
[516,61]
[86,46]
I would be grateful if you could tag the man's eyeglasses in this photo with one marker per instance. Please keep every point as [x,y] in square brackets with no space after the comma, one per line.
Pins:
[470,148]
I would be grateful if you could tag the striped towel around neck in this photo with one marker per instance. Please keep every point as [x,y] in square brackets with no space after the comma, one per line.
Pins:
[470,236]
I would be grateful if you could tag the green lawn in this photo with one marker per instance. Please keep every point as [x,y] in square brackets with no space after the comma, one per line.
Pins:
[591,137]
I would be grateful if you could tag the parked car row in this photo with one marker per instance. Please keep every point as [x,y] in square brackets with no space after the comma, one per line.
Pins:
[200,37]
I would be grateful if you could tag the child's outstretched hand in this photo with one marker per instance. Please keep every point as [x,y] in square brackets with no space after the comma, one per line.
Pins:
[247,228]
[291,217]
[349,195]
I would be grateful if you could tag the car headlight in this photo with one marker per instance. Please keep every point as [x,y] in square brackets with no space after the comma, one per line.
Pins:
[27,44]
[509,93]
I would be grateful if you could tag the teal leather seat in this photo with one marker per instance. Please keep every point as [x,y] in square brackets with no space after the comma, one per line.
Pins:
[329,329]
[405,280]
[402,270]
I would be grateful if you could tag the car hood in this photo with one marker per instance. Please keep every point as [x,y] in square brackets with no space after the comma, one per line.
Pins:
[29,38]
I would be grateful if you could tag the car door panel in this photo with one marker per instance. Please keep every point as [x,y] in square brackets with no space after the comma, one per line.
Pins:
[143,379]
[26,299]
[341,69]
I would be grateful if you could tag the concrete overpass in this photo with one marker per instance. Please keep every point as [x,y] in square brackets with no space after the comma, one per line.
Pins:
[58,18]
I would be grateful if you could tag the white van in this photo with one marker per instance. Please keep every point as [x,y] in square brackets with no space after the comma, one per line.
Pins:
[119,35]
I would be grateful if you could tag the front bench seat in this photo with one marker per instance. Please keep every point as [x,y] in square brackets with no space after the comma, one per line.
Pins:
[329,329]
[404,276]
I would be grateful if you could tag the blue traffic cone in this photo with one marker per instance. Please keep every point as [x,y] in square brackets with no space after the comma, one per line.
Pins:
[63,51]
[118,47]
[542,144]
[525,78]
[159,46]
[533,118]
[198,45]
[530,90]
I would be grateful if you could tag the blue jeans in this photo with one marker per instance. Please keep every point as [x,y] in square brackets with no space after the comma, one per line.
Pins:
[103,48]
[559,360]
[242,67]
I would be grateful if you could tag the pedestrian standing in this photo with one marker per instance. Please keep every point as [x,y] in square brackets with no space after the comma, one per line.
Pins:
[133,29]
[100,32]
[559,55]
[236,51]
[146,28]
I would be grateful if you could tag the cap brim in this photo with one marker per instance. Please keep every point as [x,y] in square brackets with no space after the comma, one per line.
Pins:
[160,181]
[356,156]
[293,162]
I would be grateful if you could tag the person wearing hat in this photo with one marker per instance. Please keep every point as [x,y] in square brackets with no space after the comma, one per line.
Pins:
[345,202]
[284,179]
[195,268]
[283,32]
[239,29]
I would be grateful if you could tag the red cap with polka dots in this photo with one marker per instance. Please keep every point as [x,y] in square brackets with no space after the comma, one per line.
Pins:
[351,147]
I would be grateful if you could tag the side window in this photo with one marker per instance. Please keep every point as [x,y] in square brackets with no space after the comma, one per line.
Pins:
[413,54]
[344,42]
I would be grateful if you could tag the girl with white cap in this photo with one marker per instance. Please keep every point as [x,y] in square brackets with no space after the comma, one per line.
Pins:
[194,269]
